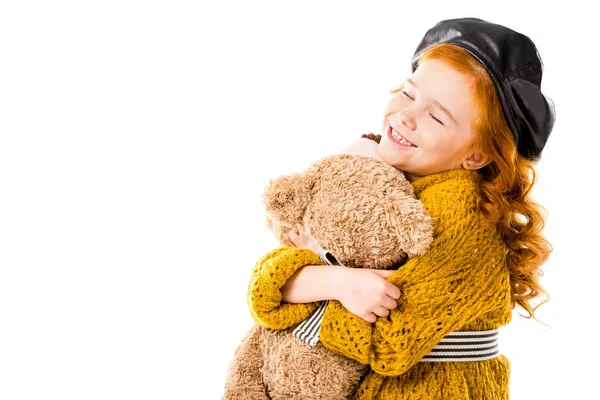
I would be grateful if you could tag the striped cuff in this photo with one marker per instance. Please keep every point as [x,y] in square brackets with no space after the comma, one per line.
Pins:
[327,258]
[308,330]
[465,346]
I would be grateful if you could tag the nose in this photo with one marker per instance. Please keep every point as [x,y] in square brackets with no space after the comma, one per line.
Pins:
[406,117]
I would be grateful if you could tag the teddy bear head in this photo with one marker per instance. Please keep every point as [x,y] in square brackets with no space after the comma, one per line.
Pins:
[358,207]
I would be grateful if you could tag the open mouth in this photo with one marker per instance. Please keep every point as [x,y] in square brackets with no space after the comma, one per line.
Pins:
[399,138]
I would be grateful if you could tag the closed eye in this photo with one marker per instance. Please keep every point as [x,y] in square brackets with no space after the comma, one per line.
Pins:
[432,116]
[436,119]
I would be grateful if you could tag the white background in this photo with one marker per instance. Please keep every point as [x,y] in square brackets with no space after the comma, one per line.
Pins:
[136,140]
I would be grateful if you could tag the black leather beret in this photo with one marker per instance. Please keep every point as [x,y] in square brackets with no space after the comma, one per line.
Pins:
[515,66]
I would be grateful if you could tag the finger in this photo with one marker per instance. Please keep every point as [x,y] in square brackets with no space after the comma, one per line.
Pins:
[381,311]
[392,290]
[389,303]
[370,317]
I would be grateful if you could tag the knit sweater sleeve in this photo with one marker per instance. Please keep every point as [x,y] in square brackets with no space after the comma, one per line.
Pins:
[461,277]
[268,276]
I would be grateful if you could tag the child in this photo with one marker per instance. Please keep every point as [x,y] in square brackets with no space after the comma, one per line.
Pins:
[466,128]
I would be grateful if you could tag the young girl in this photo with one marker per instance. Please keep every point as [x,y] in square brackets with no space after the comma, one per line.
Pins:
[466,128]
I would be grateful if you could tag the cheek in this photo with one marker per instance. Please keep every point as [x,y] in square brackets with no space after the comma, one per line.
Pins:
[448,149]
[445,149]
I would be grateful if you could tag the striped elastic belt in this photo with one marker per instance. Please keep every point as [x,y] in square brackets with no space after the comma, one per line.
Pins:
[465,346]
[456,346]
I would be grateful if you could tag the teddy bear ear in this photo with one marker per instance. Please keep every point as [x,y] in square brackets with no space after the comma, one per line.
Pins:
[286,199]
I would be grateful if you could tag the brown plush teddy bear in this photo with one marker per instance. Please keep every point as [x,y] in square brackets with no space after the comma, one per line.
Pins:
[365,213]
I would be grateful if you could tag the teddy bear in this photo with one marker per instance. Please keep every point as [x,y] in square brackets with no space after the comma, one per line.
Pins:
[364,212]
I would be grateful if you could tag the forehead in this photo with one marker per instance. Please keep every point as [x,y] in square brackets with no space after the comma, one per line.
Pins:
[435,80]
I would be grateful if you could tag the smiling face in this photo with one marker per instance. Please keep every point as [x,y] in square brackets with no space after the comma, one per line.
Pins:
[434,112]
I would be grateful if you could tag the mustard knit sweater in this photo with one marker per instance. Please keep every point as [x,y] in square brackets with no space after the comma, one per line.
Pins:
[460,284]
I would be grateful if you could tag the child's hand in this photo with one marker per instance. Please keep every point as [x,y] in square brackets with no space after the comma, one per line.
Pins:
[366,293]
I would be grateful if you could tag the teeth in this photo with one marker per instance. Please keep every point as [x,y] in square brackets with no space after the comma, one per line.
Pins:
[401,139]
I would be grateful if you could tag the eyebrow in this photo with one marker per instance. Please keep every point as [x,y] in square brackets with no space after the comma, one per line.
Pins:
[437,103]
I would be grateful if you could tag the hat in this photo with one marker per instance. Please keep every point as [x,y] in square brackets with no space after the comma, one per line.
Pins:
[515,66]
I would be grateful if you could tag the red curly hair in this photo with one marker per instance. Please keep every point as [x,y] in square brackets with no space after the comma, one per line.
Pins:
[505,182]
